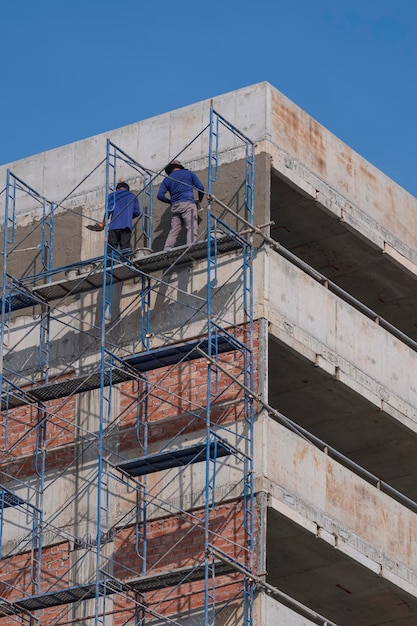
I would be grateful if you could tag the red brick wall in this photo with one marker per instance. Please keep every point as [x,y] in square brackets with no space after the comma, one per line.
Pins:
[15,572]
[178,541]
[176,398]
[26,430]
[173,542]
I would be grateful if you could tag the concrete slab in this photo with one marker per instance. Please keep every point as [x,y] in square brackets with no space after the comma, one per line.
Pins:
[370,270]
[330,582]
[355,516]
[324,329]
[345,420]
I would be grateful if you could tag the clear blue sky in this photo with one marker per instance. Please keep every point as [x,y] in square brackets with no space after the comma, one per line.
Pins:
[75,68]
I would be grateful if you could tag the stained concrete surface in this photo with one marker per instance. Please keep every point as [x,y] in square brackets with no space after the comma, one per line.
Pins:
[341,255]
[342,419]
[331,583]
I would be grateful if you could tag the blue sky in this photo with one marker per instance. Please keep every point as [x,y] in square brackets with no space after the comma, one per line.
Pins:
[72,68]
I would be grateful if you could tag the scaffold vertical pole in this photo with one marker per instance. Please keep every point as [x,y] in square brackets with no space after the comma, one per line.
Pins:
[247,330]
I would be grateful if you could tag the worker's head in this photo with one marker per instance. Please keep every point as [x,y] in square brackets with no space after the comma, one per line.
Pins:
[122,185]
[173,165]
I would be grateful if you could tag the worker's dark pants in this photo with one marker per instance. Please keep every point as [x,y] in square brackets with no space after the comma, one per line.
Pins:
[120,238]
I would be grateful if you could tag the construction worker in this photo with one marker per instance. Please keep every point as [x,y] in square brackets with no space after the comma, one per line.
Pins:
[122,208]
[180,184]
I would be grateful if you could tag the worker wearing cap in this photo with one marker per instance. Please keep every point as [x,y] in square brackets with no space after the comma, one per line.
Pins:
[180,183]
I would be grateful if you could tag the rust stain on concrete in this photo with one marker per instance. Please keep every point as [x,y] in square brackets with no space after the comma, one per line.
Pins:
[285,124]
[346,163]
[368,177]
[299,134]
[336,493]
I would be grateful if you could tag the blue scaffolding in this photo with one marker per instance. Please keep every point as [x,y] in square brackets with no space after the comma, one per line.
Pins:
[219,448]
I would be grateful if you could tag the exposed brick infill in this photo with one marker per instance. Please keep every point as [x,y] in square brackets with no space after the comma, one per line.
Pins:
[16,571]
[176,406]
[179,540]
[26,428]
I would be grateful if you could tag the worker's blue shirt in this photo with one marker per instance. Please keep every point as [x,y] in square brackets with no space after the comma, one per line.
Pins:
[180,185]
[122,207]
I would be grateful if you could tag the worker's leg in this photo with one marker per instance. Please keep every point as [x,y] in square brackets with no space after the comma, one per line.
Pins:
[114,238]
[175,229]
[189,214]
[125,234]
[113,241]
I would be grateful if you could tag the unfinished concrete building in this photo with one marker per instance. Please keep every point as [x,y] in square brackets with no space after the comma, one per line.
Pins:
[224,433]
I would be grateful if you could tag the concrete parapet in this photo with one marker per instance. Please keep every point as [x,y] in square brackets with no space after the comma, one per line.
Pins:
[323,328]
[340,508]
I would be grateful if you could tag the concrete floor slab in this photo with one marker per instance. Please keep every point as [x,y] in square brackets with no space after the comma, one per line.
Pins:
[329,582]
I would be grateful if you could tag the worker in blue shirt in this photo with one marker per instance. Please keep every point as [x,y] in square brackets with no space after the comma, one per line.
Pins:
[122,208]
[180,184]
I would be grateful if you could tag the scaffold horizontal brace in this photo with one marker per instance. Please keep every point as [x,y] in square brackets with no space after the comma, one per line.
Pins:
[124,371]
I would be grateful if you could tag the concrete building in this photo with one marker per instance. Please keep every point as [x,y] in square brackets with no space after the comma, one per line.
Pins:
[223,433]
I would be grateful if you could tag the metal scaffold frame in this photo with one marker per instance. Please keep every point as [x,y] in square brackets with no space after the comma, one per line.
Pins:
[218,446]
[21,501]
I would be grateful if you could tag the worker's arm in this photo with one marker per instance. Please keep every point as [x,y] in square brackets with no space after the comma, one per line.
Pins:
[199,186]
[110,209]
[136,208]
[161,193]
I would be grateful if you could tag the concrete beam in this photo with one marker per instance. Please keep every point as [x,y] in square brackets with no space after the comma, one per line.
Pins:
[340,508]
[341,341]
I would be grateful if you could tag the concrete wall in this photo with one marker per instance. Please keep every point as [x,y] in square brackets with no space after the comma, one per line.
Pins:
[273,613]
[339,179]
[178,309]
[332,334]
[152,142]
[302,151]
[73,242]
[338,506]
